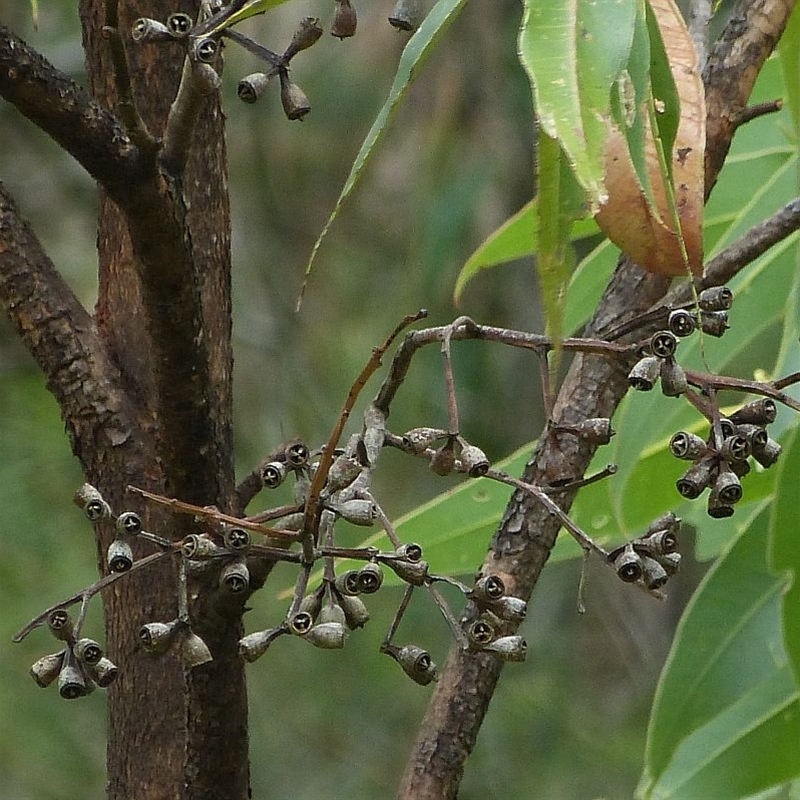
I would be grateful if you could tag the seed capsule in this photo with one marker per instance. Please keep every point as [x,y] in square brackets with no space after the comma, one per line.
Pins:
[673,378]
[88,651]
[767,454]
[406,15]
[714,323]
[716,298]
[103,673]
[509,648]
[370,578]
[645,373]
[356,613]
[417,440]
[759,412]
[681,322]
[344,20]
[687,446]
[194,650]
[294,100]
[47,668]
[179,25]
[150,30]
[129,522]
[695,480]
[235,577]
[305,36]
[414,661]
[120,556]
[474,461]
[254,645]
[628,565]
[157,637]
[274,472]
[663,344]
[60,624]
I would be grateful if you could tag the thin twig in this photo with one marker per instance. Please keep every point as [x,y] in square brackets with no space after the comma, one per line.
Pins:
[707,381]
[89,592]
[758,110]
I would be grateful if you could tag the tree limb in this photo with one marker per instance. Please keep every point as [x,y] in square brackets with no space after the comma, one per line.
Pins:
[67,113]
[593,387]
[62,338]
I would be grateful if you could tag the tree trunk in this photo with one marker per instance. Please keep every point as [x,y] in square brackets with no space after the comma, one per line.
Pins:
[145,385]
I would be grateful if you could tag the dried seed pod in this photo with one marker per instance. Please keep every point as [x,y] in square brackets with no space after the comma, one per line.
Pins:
[474,461]
[236,538]
[740,468]
[756,436]
[311,604]
[199,546]
[758,412]
[254,645]
[129,522]
[157,637]
[205,50]
[406,15]
[481,632]
[417,440]
[296,454]
[301,623]
[119,556]
[509,648]
[595,430]
[88,651]
[273,473]
[294,100]
[414,573]
[150,30]
[291,522]
[370,578]
[628,564]
[645,373]
[92,503]
[443,461]
[304,37]
[179,25]
[767,454]
[487,589]
[511,609]
[345,20]
[727,487]
[714,323]
[414,661]
[716,298]
[670,562]
[726,427]
[657,544]
[673,378]
[72,682]
[342,473]
[194,651]
[103,673]
[347,584]
[718,509]
[47,668]
[235,577]
[735,448]
[654,576]
[697,478]
[663,344]
[687,446]
[410,551]
[356,613]
[666,522]
[60,624]
[358,511]
[327,635]
[205,78]
[681,322]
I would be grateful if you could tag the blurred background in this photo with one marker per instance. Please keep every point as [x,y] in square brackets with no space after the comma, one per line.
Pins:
[457,161]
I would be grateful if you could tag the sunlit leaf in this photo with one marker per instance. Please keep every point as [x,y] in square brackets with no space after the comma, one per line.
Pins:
[726,717]
[416,52]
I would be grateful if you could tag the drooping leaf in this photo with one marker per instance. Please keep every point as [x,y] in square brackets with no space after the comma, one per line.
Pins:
[785,544]
[415,53]
[726,717]
[516,238]
[660,235]
[573,51]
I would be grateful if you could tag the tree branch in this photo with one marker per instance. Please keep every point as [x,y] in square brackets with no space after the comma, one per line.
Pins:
[67,113]
[62,338]
[593,388]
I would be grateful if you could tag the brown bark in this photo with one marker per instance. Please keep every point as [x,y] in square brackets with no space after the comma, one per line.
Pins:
[593,388]
[145,386]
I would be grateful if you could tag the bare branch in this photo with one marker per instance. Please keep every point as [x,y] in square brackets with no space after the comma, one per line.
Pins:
[62,338]
[66,112]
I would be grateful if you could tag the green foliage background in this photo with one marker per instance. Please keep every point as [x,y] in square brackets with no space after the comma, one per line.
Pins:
[455,164]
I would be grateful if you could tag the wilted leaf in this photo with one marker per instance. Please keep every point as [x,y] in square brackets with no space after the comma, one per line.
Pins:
[646,231]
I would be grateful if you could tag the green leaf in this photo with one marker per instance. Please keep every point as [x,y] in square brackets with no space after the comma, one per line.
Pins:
[35,13]
[726,716]
[516,238]
[573,51]
[789,52]
[415,53]
[785,543]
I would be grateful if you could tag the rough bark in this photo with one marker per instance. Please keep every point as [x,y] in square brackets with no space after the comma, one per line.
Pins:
[593,388]
[144,385]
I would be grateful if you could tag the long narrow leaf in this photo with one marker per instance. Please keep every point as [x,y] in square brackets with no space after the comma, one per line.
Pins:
[419,47]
